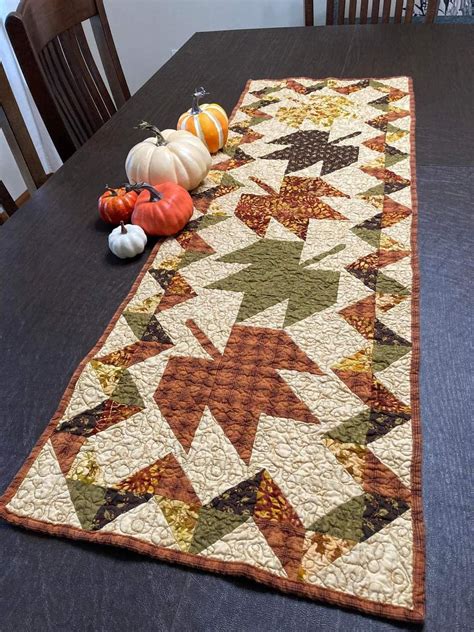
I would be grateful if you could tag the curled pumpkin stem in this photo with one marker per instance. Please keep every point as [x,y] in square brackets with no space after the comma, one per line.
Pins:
[197,96]
[155,195]
[112,190]
[160,139]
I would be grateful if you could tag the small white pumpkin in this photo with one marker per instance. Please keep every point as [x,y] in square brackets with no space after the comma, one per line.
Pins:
[127,241]
[170,156]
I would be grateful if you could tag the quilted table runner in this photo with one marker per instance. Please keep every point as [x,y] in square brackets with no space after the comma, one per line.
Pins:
[253,407]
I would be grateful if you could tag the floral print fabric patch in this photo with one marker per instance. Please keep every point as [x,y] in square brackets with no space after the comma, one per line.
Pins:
[253,406]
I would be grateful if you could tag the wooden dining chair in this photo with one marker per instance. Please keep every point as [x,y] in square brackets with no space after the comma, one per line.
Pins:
[398,12]
[51,46]
[19,141]
[18,138]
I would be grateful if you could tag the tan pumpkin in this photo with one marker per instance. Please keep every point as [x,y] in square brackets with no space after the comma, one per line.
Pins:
[168,156]
[207,121]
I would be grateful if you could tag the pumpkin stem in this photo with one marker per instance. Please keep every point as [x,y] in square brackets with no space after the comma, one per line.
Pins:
[155,195]
[112,191]
[160,139]
[197,96]
[123,230]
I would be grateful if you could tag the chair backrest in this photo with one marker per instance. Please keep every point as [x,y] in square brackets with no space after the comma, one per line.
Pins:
[309,12]
[51,46]
[381,12]
[18,139]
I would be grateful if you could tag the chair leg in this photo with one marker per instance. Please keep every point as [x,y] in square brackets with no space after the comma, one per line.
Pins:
[309,13]
[7,203]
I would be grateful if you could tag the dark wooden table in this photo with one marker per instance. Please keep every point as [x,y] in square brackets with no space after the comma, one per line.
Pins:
[59,287]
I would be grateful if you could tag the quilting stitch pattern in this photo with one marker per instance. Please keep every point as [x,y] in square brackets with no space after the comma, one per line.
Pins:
[253,406]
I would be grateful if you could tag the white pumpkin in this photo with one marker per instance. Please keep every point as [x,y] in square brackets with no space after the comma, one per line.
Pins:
[170,156]
[127,241]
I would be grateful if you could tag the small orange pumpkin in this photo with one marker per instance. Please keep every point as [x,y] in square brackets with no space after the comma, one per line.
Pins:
[116,205]
[207,121]
[163,209]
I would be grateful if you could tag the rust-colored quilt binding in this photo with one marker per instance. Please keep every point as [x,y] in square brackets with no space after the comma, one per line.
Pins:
[253,406]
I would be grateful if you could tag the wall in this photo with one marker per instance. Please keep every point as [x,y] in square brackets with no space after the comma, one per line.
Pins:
[9,172]
[165,25]
[145,34]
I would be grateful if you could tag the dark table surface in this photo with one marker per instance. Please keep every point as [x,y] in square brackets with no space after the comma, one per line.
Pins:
[59,287]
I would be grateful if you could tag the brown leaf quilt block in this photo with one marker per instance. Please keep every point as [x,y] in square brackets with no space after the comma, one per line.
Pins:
[253,407]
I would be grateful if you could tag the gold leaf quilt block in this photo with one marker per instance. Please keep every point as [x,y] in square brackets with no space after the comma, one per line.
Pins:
[253,407]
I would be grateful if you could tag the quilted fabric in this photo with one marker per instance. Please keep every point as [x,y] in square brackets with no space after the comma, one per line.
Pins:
[253,406]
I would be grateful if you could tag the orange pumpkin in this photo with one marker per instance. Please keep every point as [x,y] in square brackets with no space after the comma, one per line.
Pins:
[162,210]
[116,205]
[207,121]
